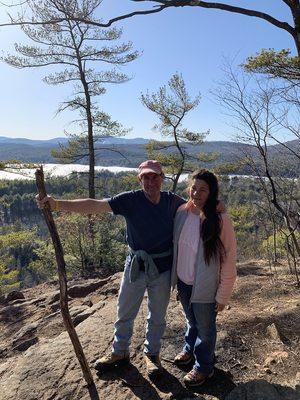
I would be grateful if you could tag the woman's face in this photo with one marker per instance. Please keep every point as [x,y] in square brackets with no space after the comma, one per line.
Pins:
[199,193]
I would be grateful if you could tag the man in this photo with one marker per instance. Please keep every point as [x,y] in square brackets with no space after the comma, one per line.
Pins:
[149,215]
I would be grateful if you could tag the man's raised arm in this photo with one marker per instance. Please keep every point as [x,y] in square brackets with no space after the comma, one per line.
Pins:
[81,206]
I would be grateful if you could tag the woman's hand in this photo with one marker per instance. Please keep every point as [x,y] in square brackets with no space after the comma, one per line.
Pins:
[221,207]
[48,199]
[219,307]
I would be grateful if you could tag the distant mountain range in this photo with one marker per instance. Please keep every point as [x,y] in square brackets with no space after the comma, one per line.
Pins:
[41,143]
[39,151]
[134,152]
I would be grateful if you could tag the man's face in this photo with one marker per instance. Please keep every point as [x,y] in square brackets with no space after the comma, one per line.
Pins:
[151,183]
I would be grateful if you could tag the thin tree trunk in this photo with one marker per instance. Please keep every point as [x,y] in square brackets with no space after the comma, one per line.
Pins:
[288,255]
[177,176]
[182,155]
[92,193]
[61,268]
[89,118]
[295,9]
[90,133]
[275,257]
[291,251]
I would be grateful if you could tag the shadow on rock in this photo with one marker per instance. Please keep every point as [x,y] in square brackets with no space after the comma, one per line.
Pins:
[131,378]
[169,384]
[219,386]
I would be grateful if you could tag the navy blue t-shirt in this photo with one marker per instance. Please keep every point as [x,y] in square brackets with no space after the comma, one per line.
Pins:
[149,226]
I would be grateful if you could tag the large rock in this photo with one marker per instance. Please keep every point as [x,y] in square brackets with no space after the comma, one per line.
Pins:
[86,288]
[14,295]
[273,332]
[53,297]
[25,331]
[51,370]
[79,290]
[24,345]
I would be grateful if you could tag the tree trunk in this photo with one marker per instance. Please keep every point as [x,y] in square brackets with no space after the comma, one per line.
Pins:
[277,205]
[92,193]
[177,176]
[88,110]
[295,9]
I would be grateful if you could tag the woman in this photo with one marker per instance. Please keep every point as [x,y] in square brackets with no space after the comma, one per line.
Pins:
[204,269]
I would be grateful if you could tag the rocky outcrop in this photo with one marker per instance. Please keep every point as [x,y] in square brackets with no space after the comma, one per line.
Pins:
[48,368]
[37,360]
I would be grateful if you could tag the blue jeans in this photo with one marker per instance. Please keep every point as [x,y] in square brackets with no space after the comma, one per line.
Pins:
[130,298]
[201,333]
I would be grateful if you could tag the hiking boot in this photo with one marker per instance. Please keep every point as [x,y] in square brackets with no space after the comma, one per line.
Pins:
[110,361]
[153,365]
[195,378]
[183,358]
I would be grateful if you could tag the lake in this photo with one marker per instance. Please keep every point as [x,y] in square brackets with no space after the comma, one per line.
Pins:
[57,170]
[52,170]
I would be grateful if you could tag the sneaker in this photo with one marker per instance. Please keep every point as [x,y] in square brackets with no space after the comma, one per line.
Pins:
[183,358]
[110,361]
[153,365]
[196,378]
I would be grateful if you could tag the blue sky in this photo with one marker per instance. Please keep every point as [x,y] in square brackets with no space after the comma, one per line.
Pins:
[189,40]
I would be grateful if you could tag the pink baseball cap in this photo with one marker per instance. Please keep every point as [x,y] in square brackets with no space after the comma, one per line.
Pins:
[150,166]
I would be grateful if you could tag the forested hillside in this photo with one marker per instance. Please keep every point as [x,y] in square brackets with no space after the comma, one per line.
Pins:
[26,254]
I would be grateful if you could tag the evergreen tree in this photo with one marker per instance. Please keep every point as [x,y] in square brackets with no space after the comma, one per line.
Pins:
[171,105]
[76,47]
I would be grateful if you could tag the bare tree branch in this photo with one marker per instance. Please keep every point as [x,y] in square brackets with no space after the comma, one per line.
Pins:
[164,5]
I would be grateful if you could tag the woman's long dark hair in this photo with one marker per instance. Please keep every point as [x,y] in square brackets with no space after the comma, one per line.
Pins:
[211,226]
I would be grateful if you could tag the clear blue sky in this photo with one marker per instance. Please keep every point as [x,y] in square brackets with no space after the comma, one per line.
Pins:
[189,40]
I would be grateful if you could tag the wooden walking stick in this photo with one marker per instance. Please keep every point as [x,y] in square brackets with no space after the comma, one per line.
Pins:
[61,268]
